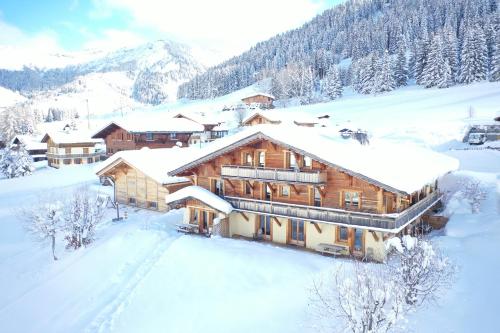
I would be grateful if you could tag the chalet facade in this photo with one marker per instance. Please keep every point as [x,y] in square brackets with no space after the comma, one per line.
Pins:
[279,118]
[290,186]
[36,149]
[69,149]
[263,100]
[136,135]
[212,128]
[140,180]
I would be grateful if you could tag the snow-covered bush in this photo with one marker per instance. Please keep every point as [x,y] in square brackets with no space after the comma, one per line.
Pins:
[82,214]
[366,299]
[419,269]
[16,162]
[473,191]
[44,221]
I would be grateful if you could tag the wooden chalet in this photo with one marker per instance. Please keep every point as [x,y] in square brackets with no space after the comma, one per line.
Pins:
[158,133]
[65,148]
[36,149]
[212,128]
[279,117]
[263,100]
[140,176]
[293,186]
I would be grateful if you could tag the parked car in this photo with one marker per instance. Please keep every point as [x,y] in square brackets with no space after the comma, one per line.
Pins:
[477,138]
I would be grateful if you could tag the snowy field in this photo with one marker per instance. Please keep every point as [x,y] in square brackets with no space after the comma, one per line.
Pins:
[140,275]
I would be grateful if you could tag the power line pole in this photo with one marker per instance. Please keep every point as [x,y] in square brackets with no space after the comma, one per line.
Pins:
[88,114]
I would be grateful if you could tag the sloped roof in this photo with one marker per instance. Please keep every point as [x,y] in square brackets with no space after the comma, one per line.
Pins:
[70,137]
[282,117]
[153,125]
[155,163]
[201,194]
[259,94]
[200,118]
[30,142]
[398,168]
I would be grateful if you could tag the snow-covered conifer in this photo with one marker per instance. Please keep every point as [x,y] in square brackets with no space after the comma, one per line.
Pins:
[474,53]
[437,72]
[16,162]
[332,83]
[384,76]
[401,69]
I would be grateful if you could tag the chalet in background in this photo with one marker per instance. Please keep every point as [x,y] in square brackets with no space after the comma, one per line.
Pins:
[262,100]
[134,135]
[295,186]
[140,176]
[36,149]
[279,117]
[70,148]
[212,128]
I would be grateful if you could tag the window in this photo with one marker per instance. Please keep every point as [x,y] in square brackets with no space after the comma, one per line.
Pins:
[90,160]
[194,217]
[67,151]
[317,197]
[248,188]
[78,161]
[297,235]
[262,159]
[85,150]
[131,201]
[285,191]
[248,159]
[342,234]
[67,161]
[358,240]
[173,136]
[290,160]
[206,219]
[267,192]
[217,187]
[265,226]
[152,204]
[149,136]
[351,199]
[307,162]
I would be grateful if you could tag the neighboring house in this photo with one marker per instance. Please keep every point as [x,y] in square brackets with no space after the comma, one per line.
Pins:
[36,149]
[157,133]
[293,185]
[65,148]
[262,100]
[140,176]
[279,117]
[212,128]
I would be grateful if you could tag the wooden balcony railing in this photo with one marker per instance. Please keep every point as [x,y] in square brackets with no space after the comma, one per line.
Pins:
[52,155]
[273,174]
[389,222]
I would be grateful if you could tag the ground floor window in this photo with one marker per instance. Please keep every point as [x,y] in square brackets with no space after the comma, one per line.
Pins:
[342,234]
[265,226]
[131,201]
[67,161]
[297,232]
[90,160]
[358,240]
[152,204]
[78,161]
[194,217]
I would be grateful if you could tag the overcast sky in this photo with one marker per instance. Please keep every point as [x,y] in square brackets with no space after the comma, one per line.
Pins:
[226,27]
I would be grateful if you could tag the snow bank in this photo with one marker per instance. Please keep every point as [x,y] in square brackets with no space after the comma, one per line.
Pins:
[203,195]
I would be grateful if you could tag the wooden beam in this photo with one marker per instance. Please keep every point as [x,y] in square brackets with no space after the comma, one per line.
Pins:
[244,216]
[230,183]
[295,189]
[375,236]
[252,186]
[273,189]
[380,201]
[316,225]
[276,220]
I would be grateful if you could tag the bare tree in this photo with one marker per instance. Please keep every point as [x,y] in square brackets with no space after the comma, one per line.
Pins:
[473,191]
[366,300]
[420,269]
[240,114]
[82,213]
[44,221]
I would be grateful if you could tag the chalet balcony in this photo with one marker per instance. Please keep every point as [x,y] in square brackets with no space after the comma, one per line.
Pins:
[273,174]
[388,222]
[52,155]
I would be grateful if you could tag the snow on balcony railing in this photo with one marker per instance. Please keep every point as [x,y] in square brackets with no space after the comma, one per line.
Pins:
[274,174]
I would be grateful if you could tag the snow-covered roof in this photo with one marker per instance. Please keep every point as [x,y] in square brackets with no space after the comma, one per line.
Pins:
[70,137]
[153,124]
[398,168]
[201,194]
[155,163]
[199,117]
[30,142]
[259,94]
[283,117]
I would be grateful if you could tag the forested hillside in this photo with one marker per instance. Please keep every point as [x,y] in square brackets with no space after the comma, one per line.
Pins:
[379,44]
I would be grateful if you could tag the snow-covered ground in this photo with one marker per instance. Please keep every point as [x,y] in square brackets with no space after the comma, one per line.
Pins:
[141,275]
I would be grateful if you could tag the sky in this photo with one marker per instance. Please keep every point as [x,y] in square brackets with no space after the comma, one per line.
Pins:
[222,27]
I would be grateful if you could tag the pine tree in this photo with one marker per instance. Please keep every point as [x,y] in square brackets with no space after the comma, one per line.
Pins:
[401,69]
[437,72]
[16,162]
[333,85]
[421,57]
[366,75]
[473,56]
[451,53]
[495,61]
[384,77]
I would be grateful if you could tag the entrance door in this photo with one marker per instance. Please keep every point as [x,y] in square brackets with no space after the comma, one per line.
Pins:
[357,244]
[206,221]
[265,226]
[267,192]
[297,234]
